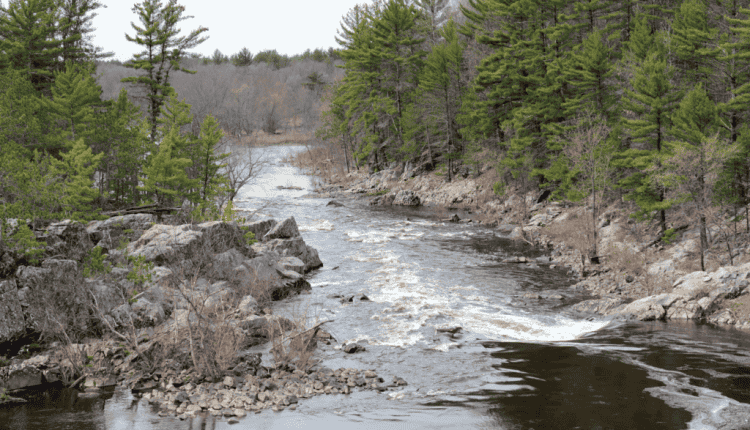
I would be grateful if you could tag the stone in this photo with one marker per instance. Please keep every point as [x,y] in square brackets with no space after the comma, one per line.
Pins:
[351,348]
[406,198]
[228,381]
[684,310]
[166,244]
[598,306]
[724,317]
[248,306]
[286,229]
[292,263]
[222,265]
[260,228]
[20,376]
[181,397]
[67,239]
[147,313]
[335,203]
[12,323]
[643,310]
[294,247]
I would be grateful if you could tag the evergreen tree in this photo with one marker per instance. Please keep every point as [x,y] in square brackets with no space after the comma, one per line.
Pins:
[208,166]
[124,143]
[242,58]
[20,121]
[75,93]
[690,43]
[589,74]
[652,101]
[78,165]
[163,47]
[75,29]
[165,176]
[27,40]
[441,82]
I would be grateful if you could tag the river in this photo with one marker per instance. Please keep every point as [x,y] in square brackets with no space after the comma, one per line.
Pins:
[449,317]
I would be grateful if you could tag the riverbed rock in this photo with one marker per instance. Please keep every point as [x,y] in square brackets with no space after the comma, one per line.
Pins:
[351,348]
[406,198]
[684,310]
[107,233]
[646,309]
[599,306]
[20,376]
[294,247]
[335,203]
[286,229]
[292,263]
[248,306]
[222,265]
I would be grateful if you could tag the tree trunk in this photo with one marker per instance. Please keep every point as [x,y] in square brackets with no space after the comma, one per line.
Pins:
[704,241]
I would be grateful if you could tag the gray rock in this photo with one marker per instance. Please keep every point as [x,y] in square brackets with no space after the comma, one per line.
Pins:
[166,244]
[335,203]
[406,198]
[12,323]
[646,309]
[248,306]
[290,274]
[260,228]
[108,296]
[351,348]
[684,310]
[147,313]
[286,229]
[223,264]
[20,376]
[67,239]
[724,317]
[294,247]
[598,306]
[292,263]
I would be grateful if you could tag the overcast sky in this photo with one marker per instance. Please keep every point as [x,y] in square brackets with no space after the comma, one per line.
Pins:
[289,26]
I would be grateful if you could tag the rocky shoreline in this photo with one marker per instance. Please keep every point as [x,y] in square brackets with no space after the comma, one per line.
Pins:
[719,297]
[169,312]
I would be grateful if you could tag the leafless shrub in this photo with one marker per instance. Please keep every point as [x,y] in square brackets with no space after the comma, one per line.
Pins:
[576,232]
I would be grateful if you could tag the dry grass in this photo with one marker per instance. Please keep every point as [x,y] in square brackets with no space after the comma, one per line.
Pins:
[262,138]
[296,347]
[324,160]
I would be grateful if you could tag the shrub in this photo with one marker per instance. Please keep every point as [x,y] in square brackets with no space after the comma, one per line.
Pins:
[24,242]
[94,263]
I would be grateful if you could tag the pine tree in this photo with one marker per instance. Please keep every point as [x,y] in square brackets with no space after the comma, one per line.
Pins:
[27,40]
[75,28]
[208,166]
[20,121]
[690,43]
[75,93]
[652,101]
[441,82]
[79,164]
[242,58]
[165,176]
[589,74]
[163,47]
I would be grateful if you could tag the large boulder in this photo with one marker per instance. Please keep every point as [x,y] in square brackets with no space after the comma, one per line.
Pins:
[223,264]
[260,228]
[684,310]
[67,239]
[286,229]
[645,309]
[292,263]
[167,244]
[107,234]
[406,198]
[20,376]
[12,324]
[294,247]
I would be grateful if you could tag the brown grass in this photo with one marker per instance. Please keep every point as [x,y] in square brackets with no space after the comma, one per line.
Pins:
[576,232]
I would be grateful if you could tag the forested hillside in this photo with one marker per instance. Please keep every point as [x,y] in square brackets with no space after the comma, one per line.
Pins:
[644,99]
[81,134]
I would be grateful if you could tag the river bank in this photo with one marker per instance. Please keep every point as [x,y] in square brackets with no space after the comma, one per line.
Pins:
[633,277]
[168,311]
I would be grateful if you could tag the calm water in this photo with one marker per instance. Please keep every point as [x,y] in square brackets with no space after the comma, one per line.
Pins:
[514,363]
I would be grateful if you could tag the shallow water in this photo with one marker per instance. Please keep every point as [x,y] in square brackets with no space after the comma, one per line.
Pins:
[513,364]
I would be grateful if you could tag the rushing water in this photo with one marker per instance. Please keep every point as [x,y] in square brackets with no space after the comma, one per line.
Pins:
[514,363]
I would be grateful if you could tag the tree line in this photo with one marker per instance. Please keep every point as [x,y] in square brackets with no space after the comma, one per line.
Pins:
[647,99]
[80,135]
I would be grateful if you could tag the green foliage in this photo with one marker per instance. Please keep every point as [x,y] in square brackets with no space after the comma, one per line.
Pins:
[140,273]
[165,177]
[78,166]
[159,35]
[94,263]
[379,193]
[75,93]
[669,236]
[498,188]
[249,236]
[22,241]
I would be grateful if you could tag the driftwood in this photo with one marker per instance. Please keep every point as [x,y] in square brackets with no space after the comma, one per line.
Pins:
[146,209]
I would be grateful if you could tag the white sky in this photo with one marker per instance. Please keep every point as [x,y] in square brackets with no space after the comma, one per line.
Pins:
[289,26]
